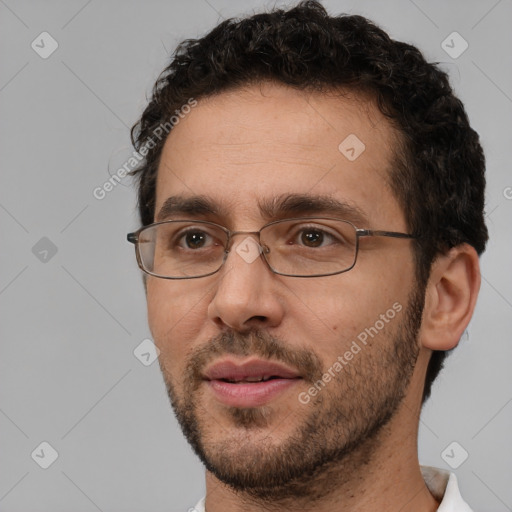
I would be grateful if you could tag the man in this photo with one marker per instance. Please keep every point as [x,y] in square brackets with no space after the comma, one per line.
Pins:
[312,207]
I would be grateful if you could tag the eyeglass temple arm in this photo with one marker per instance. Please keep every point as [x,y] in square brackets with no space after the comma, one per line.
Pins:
[132,237]
[393,234]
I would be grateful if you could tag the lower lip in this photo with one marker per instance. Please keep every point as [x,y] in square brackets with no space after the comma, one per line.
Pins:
[249,394]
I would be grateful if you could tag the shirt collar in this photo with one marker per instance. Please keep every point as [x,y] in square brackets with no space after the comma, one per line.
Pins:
[444,486]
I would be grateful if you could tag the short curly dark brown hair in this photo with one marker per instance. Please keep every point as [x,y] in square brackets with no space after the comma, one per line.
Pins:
[438,173]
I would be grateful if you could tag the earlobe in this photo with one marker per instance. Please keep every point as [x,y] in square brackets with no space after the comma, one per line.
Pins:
[450,297]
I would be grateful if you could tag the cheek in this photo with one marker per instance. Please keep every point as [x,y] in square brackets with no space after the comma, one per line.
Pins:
[340,309]
[175,319]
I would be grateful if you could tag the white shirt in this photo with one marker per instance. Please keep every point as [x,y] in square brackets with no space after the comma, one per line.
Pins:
[441,484]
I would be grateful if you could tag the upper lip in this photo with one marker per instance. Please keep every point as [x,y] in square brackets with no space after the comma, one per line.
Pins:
[230,369]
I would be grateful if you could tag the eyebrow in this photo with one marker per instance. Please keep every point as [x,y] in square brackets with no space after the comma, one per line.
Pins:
[274,208]
[305,204]
[195,206]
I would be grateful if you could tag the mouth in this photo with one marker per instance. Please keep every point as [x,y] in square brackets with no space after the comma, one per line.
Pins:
[252,383]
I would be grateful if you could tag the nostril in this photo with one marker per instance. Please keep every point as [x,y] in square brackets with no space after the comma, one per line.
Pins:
[259,318]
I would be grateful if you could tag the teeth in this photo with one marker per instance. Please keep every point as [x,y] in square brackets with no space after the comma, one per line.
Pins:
[251,379]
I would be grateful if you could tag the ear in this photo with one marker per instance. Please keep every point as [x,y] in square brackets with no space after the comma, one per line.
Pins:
[450,297]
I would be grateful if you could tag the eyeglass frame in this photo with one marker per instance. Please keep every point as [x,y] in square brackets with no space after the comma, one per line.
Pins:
[133,238]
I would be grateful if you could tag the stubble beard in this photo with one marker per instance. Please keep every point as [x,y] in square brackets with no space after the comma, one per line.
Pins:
[334,435]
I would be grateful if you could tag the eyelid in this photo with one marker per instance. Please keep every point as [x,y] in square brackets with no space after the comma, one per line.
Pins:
[313,224]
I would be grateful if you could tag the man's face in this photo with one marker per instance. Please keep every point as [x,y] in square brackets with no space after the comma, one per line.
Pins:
[256,146]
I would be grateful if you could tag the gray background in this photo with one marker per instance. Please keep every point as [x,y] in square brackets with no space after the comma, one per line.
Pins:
[70,321]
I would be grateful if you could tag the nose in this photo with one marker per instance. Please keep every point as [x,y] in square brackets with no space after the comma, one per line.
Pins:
[247,294]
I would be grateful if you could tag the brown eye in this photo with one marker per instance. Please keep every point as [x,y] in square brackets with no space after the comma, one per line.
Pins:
[312,238]
[195,239]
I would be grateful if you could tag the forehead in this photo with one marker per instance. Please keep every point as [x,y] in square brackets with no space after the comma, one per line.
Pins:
[250,145]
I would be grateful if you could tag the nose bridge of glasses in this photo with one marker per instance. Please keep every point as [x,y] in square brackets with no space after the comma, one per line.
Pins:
[232,234]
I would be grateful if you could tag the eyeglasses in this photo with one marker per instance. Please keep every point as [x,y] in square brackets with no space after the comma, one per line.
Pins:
[298,247]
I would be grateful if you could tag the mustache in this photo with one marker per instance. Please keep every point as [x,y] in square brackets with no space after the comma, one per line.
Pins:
[253,343]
